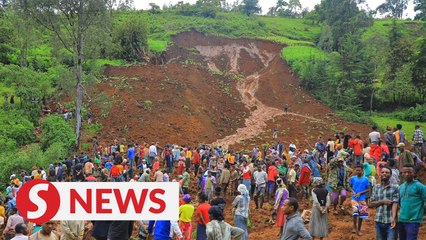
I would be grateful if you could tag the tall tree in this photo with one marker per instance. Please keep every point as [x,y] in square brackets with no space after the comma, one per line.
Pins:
[394,8]
[344,17]
[250,7]
[70,21]
[419,70]
[420,8]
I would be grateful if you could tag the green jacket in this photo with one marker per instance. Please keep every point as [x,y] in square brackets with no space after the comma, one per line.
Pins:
[412,199]
[333,175]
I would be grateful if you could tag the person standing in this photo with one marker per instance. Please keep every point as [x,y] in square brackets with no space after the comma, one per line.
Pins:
[399,134]
[280,196]
[418,140]
[185,217]
[260,178]
[292,181]
[46,232]
[186,181]
[241,205]
[375,150]
[412,199]
[225,176]
[202,216]
[390,141]
[21,232]
[218,229]
[359,186]
[72,230]
[338,181]
[272,175]
[286,108]
[275,134]
[152,153]
[385,198]
[358,145]
[404,157]
[319,218]
[294,227]
[305,179]
[13,220]
[164,230]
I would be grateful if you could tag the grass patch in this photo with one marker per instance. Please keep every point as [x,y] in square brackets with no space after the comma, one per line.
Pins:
[112,62]
[156,45]
[407,127]
[294,54]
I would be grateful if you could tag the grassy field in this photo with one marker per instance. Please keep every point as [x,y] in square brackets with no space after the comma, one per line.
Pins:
[407,127]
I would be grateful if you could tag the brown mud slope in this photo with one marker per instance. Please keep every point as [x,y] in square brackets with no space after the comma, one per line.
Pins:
[222,91]
[213,90]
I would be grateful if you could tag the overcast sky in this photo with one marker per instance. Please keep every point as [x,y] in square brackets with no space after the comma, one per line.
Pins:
[266,4]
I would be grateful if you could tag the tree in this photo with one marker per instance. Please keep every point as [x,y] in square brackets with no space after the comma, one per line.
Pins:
[344,17]
[394,8]
[250,7]
[420,9]
[70,21]
[419,70]
[154,8]
[131,38]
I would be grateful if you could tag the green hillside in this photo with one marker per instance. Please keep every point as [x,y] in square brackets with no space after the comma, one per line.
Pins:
[347,59]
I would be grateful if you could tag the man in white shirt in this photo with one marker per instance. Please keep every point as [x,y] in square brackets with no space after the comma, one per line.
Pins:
[21,232]
[152,153]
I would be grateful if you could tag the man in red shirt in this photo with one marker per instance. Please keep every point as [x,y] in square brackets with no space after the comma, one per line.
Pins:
[305,179]
[202,216]
[196,161]
[272,175]
[358,145]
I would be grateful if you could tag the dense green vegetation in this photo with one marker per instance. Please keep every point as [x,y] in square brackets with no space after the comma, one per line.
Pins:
[347,59]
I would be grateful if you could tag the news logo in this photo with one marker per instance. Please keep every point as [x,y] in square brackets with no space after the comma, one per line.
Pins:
[39,201]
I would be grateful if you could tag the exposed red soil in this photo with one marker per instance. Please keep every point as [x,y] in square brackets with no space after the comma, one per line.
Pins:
[191,105]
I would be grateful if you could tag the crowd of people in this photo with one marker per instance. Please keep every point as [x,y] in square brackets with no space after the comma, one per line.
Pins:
[379,173]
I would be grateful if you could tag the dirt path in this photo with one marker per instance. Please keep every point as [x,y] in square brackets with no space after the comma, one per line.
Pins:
[247,87]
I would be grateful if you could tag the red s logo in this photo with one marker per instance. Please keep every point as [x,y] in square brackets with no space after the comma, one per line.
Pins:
[38,201]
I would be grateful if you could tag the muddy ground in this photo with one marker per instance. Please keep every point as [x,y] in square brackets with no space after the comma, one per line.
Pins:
[224,92]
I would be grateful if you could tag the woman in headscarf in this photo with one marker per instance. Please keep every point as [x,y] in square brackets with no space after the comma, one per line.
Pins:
[280,196]
[319,216]
[241,207]
[217,229]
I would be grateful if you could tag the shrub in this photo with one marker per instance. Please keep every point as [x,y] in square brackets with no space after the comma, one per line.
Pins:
[56,130]
[15,128]
[417,113]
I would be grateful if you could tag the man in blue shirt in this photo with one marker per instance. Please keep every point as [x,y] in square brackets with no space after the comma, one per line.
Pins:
[359,186]
[131,158]
[412,199]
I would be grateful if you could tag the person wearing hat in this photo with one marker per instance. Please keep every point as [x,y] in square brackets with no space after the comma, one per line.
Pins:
[185,217]
[218,229]
[318,226]
[404,157]
[338,181]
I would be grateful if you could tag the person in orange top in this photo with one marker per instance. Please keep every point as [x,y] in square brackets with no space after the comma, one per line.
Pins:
[358,145]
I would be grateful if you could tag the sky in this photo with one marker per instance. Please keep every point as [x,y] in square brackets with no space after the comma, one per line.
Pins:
[266,4]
